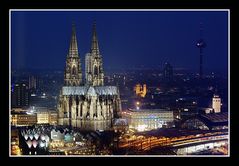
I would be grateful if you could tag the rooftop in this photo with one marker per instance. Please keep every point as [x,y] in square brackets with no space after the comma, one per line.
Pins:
[149,110]
[216,117]
[92,90]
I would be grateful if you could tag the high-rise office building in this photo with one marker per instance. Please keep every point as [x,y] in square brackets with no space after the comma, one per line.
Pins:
[20,95]
[32,82]
[167,72]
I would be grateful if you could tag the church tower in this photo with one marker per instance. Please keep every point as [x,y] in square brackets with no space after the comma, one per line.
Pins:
[93,63]
[89,105]
[73,73]
[216,104]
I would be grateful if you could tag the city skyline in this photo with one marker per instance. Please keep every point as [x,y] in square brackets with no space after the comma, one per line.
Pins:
[127,37]
[159,111]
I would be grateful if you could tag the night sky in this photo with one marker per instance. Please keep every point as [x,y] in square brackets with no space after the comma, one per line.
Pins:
[40,40]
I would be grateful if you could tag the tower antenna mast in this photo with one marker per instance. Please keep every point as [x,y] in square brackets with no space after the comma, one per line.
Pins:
[201,44]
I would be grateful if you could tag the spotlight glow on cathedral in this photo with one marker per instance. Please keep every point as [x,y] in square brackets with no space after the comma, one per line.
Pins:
[87,104]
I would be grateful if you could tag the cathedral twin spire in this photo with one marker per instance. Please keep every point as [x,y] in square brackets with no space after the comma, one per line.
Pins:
[94,44]
[73,73]
[73,50]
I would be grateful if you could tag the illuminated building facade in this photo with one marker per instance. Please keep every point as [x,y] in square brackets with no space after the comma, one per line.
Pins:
[53,118]
[15,150]
[140,90]
[148,119]
[93,63]
[33,116]
[42,117]
[36,139]
[73,74]
[23,120]
[47,117]
[216,103]
[91,105]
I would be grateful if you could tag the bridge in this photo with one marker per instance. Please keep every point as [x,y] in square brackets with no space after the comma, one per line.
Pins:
[191,148]
[179,145]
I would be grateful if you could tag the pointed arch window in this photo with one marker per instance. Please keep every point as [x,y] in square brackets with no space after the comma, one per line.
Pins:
[74,70]
[95,70]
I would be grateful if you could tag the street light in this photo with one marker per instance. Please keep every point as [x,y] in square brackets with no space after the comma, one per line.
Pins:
[137,105]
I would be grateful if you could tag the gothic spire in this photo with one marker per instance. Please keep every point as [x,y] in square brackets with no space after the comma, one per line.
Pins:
[73,50]
[94,43]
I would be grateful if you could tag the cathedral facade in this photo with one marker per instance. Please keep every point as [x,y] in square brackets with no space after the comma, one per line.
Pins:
[87,104]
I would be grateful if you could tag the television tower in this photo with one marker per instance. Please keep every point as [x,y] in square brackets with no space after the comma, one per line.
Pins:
[201,44]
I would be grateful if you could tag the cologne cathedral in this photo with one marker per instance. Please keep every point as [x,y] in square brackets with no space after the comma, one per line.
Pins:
[87,104]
